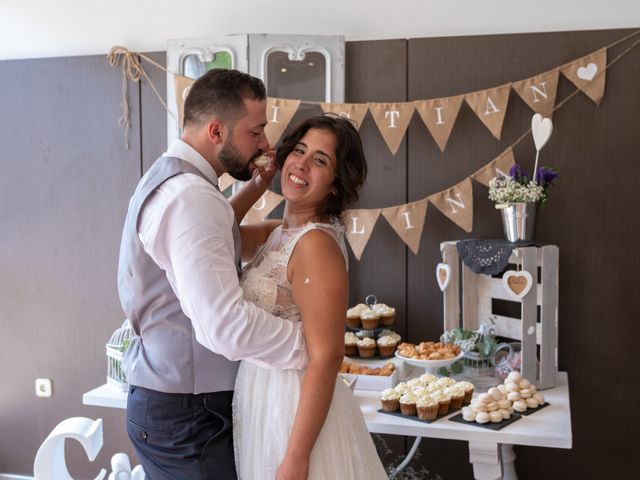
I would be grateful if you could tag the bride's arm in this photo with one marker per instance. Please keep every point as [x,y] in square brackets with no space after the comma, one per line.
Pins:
[319,282]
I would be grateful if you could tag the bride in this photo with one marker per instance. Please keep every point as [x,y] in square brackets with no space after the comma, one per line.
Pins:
[292,424]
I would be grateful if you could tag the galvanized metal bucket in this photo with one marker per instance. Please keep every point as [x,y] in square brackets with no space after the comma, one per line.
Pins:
[518,220]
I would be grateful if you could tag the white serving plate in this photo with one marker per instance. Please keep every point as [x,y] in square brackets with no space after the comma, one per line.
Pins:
[429,365]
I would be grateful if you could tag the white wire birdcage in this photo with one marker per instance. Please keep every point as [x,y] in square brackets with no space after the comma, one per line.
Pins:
[116,347]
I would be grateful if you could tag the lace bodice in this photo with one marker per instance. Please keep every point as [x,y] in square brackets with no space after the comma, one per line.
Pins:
[264,279]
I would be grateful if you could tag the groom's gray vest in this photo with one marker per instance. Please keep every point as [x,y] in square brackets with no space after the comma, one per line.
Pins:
[164,355]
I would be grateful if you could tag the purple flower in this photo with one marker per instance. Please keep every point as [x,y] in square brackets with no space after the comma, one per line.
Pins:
[518,175]
[545,176]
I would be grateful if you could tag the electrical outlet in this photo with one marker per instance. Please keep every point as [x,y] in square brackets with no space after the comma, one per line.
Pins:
[44,387]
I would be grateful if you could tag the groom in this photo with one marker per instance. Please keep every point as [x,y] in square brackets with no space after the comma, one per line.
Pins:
[178,285]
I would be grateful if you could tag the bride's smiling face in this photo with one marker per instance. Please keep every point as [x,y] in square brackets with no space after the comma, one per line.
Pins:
[309,170]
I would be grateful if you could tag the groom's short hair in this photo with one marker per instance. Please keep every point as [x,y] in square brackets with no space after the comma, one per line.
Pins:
[220,93]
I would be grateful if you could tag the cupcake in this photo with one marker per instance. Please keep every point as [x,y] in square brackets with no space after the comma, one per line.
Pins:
[390,400]
[350,343]
[444,400]
[390,333]
[366,347]
[427,407]
[468,391]
[387,345]
[408,404]
[428,378]
[457,397]
[369,319]
[353,315]
[387,314]
[401,388]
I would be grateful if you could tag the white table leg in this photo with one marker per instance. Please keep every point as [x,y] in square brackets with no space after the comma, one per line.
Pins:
[408,458]
[508,462]
[486,461]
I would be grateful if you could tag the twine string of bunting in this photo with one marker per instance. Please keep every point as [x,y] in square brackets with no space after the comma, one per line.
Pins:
[132,70]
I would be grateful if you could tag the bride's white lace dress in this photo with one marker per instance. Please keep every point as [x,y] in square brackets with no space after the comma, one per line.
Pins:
[265,400]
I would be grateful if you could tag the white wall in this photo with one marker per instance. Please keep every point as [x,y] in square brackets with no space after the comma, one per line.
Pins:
[47,28]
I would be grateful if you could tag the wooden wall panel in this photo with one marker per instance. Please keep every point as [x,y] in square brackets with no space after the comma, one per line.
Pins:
[64,190]
[589,216]
[376,72]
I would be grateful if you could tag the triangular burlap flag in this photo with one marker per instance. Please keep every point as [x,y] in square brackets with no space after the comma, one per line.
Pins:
[499,166]
[359,225]
[490,106]
[392,120]
[539,92]
[280,111]
[263,207]
[353,111]
[588,74]
[408,222]
[439,115]
[225,181]
[182,87]
[457,204]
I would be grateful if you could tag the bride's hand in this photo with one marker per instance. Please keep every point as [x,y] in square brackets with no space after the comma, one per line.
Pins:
[293,469]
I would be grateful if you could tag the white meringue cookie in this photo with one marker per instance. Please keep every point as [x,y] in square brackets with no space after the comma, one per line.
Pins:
[505,413]
[513,396]
[524,383]
[520,406]
[495,393]
[532,403]
[495,416]
[514,376]
[504,403]
[482,417]
[539,397]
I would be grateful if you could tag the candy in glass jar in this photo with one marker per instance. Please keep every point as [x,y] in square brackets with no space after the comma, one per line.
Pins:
[507,358]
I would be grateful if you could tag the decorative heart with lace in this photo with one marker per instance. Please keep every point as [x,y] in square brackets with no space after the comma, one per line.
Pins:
[517,284]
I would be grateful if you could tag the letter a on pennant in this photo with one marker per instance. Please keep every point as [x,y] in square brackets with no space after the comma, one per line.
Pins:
[490,106]
[359,225]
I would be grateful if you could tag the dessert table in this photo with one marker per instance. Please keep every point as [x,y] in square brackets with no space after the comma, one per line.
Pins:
[490,452]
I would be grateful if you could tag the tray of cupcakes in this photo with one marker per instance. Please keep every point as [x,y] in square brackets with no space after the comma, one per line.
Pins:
[379,344]
[426,398]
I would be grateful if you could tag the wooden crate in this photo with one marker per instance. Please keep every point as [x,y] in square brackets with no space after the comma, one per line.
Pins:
[479,290]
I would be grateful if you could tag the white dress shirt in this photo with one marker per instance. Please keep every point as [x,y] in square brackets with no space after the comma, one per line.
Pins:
[186,228]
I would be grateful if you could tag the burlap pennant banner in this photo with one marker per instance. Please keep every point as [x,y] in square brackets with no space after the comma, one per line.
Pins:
[263,207]
[353,111]
[457,204]
[280,111]
[588,74]
[439,115]
[539,92]
[392,120]
[408,222]
[182,87]
[225,181]
[499,166]
[490,106]
[358,227]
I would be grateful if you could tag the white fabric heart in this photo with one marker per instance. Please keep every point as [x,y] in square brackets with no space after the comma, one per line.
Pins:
[517,284]
[541,129]
[443,275]
[587,73]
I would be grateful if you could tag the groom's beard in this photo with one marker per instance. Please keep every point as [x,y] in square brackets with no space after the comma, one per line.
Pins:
[233,162]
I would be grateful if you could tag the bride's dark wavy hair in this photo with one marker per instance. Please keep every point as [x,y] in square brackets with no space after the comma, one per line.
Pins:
[351,166]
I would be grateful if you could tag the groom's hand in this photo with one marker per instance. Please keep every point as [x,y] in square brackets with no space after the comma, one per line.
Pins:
[293,469]
[263,175]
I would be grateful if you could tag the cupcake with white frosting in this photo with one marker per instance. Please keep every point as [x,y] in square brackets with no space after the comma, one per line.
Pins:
[390,400]
[387,313]
[408,403]
[387,346]
[427,407]
[366,347]
[350,343]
